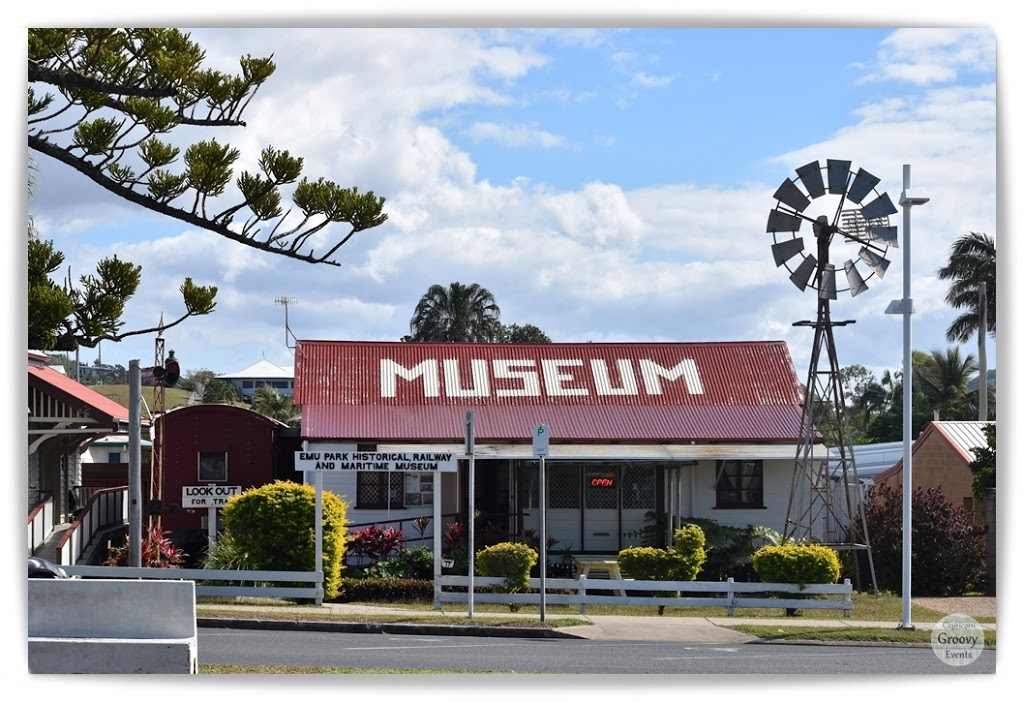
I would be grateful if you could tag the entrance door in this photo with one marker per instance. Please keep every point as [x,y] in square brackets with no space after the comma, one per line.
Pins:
[601,509]
[563,491]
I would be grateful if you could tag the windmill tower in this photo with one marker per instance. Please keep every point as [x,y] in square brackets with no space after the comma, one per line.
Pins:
[825,502]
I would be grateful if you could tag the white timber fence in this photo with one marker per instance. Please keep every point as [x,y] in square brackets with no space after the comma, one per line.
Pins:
[583,591]
[221,583]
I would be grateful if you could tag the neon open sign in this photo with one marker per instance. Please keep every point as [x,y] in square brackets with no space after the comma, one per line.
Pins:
[602,482]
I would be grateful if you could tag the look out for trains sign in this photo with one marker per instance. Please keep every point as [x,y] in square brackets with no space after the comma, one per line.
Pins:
[208,495]
[411,461]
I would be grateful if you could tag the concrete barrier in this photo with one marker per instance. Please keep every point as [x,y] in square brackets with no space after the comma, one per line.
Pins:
[112,626]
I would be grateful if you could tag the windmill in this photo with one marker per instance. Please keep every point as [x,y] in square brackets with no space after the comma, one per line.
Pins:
[826,495]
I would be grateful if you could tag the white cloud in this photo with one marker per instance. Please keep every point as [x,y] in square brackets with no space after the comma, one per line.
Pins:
[517,135]
[645,80]
[927,56]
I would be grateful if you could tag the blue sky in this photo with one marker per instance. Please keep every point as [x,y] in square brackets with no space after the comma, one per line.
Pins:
[606,184]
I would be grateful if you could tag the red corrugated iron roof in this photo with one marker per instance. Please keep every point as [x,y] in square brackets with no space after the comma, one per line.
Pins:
[724,391]
[68,390]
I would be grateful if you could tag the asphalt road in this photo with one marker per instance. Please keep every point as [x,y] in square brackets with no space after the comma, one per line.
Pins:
[377,651]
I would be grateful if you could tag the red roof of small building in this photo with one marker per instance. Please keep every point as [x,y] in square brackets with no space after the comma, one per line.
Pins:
[67,390]
[707,392]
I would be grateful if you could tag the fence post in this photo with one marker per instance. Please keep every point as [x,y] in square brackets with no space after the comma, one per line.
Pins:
[582,592]
[730,598]
[847,599]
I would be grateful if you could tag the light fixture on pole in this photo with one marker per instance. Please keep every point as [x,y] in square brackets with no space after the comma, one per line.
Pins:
[906,308]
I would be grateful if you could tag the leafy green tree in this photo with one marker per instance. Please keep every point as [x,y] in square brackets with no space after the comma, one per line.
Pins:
[270,403]
[456,313]
[272,528]
[972,261]
[523,334]
[117,98]
[195,380]
[984,465]
[217,390]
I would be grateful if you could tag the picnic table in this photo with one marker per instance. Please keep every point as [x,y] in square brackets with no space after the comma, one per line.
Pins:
[607,564]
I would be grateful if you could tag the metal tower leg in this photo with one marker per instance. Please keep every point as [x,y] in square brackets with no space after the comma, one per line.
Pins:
[825,502]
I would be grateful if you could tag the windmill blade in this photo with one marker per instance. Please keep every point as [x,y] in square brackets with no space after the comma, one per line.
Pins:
[854,278]
[785,250]
[791,195]
[810,176]
[875,261]
[782,222]
[838,176]
[802,275]
[827,287]
[885,235]
[863,184]
[880,207]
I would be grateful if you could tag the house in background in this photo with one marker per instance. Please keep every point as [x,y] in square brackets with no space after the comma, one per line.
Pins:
[262,373]
[112,448]
[941,458]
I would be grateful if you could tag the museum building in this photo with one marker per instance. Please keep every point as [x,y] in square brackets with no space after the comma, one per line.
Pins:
[636,431]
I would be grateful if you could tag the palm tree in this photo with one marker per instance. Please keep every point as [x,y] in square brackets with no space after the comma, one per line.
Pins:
[972,261]
[944,377]
[270,403]
[456,313]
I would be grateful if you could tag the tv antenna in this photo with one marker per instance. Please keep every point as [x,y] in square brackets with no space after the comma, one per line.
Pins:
[282,300]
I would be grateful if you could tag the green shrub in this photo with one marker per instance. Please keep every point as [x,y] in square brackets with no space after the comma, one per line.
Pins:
[416,563]
[799,564]
[508,560]
[273,526]
[682,561]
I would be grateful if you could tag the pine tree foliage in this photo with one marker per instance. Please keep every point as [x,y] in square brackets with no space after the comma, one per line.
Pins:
[110,103]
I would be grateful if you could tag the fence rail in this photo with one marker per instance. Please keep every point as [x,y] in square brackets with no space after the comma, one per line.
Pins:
[204,577]
[583,591]
[580,592]
[105,509]
[40,522]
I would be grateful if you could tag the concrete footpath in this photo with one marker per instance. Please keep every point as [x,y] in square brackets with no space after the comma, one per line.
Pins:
[715,630]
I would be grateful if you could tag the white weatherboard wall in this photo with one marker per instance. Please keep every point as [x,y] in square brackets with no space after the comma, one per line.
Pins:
[112,626]
[343,484]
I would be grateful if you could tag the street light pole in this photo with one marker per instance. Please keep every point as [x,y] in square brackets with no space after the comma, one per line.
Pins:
[906,308]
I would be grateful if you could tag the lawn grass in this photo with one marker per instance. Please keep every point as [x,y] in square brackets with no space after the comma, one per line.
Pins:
[173,397]
[846,633]
[884,607]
